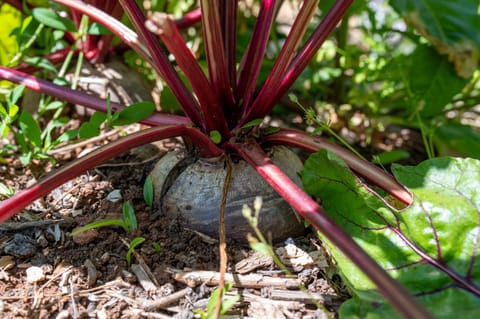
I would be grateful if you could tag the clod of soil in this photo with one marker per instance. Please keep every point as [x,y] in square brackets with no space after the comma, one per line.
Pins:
[190,190]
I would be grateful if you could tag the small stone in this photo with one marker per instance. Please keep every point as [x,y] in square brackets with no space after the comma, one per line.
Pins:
[85,237]
[20,246]
[35,274]
[114,196]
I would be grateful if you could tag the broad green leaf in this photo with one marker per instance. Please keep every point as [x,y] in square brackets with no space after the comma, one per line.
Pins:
[30,128]
[456,139]
[53,20]
[451,26]
[442,225]
[134,113]
[430,79]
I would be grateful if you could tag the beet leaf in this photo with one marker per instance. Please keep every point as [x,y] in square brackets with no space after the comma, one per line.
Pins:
[431,247]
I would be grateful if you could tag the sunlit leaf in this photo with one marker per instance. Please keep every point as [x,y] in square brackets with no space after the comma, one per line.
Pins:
[53,20]
[421,247]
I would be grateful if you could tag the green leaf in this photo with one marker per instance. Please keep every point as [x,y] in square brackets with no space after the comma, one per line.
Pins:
[253,123]
[15,94]
[30,128]
[134,243]
[262,248]
[430,78]
[98,224]
[41,63]
[53,20]
[148,191]
[215,136]
[390,157]
[442,224]
[92,127]
[456,139]
[134,113]
[129,217]
[88,130]
[98,29]
[451,26]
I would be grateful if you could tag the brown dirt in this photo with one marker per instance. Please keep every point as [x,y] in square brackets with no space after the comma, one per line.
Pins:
[87,276]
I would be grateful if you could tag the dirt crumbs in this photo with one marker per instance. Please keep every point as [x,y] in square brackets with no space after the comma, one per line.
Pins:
[45,272]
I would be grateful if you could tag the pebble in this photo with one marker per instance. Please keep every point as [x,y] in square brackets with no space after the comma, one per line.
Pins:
[35,274]
[86,237]
[20,246]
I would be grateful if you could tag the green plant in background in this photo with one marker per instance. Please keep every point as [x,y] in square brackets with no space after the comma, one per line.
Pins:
[128,221]
[406,63]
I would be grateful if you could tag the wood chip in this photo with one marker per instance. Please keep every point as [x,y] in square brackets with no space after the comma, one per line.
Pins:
[143,278]
[212,278]
[253,262]
[92,273]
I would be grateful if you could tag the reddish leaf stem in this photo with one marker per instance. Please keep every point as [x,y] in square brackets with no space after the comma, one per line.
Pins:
[264,102]
[312,45]
[215,51]
[161,24]
[161,64]
[252,59]
[395,293]
[364,168]
[76,97]
[20,200]
[230,40]
[189,19]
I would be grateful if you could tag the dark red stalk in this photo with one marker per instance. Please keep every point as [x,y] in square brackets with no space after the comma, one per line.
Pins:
[189,19]
[215,51]
[76,97]
[252,59]
[364,168]
[162,66]
[162,25]
[263,104]
[312,45]
[20,200]
[230,40]
[395,293]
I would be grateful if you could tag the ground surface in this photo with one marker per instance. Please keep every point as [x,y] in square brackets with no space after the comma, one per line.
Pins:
[47,273]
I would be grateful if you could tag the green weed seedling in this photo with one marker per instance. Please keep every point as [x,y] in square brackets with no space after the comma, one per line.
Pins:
[131,247]
[148,191]
[227,303]
[128,221]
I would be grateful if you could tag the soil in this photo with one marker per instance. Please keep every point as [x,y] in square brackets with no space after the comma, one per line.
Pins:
[45,272]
